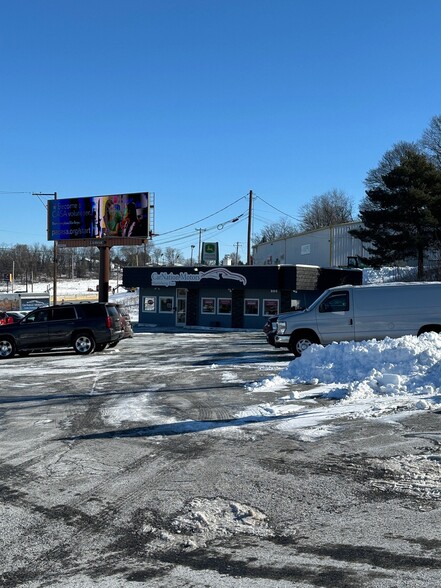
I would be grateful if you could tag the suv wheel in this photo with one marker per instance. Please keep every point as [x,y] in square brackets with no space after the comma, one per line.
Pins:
[7,348]
[83,344]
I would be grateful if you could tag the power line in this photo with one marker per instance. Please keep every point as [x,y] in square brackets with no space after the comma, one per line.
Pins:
[202,219]
[278,210]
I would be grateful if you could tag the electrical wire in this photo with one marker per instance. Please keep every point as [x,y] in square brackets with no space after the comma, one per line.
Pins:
[278,210]
[205,218]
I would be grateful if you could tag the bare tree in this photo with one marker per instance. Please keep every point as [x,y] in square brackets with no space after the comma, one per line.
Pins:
[390,160]
[431,140]
[279,230]
[331,208]
[173,256]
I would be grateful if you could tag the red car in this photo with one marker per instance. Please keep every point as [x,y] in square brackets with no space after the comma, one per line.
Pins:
[5,319]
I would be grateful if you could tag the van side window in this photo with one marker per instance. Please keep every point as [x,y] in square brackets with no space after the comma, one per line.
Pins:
[336,302]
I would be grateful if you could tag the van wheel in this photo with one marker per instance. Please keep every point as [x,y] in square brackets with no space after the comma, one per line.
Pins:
[7,348]
[299,343]
[84,344]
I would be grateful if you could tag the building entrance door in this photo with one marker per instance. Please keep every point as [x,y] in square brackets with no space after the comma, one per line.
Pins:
[181,307]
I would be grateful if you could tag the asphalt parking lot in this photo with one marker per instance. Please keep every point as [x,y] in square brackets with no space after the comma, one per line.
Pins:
[145,465]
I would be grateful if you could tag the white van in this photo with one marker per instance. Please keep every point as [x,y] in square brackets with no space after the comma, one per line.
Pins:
[356,313]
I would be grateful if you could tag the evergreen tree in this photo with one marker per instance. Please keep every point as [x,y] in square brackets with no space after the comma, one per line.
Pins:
[399,215]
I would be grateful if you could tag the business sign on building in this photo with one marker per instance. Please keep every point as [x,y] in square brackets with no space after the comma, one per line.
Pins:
[99,217]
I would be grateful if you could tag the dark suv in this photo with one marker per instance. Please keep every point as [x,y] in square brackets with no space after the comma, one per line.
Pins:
[86,327]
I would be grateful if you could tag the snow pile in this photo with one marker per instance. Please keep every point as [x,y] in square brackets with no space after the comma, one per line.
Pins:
[207,519]
[409,366]
[388,274]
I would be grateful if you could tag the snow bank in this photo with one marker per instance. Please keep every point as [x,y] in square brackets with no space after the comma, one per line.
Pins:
[406,366]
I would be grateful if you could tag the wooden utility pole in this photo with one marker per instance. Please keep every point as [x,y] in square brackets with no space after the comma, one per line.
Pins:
[250,217]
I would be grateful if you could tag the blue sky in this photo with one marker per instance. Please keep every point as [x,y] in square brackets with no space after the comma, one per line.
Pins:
[201,101]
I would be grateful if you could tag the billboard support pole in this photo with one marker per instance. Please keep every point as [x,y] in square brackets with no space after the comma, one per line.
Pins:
[103,287]
[54,291]
[55,262]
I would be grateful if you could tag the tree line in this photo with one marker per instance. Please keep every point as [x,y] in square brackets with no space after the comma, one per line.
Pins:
[32,263]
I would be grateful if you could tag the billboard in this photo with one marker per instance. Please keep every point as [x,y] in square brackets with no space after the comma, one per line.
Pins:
[99,217]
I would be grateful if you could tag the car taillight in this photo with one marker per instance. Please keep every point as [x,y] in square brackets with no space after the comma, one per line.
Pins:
[108,322]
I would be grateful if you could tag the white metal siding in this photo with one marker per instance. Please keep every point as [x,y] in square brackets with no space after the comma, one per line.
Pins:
[328,247]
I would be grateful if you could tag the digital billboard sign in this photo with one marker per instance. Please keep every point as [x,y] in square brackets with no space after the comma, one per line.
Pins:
[99,217]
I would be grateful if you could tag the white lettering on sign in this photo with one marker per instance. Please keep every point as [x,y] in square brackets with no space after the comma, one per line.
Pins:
[170,279]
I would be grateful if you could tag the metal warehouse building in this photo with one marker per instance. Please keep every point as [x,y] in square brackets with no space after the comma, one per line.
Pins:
[327,247]
[240,296]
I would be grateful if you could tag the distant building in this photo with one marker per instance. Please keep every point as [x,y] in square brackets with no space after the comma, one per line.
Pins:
[327,247]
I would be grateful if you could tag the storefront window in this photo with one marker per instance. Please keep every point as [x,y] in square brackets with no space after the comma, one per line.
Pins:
[224,305]
[251,306]
[208,305]
[270,307]
[166,304]
[149,304]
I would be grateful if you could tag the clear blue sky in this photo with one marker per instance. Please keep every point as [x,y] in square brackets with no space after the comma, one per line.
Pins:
[201,101]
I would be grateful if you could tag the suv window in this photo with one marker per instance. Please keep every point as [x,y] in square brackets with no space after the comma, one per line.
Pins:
[39,316]
[64,313]
[92,310]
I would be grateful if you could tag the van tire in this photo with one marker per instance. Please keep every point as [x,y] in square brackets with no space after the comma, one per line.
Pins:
[301,341]
[429,329]
[84,343]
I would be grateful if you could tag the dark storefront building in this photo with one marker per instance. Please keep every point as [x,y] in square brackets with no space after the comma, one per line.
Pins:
[240,297]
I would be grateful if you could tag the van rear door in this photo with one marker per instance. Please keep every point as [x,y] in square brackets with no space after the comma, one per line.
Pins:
[335,317]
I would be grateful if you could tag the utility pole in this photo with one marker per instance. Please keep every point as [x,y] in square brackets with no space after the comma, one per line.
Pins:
[200,241]
[237,251]
[250,218]
[55,267]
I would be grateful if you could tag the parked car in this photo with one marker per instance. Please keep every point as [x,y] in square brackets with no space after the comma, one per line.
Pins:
[85,327]
[126,321]
[5,319]
[15,315]
[270,329]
